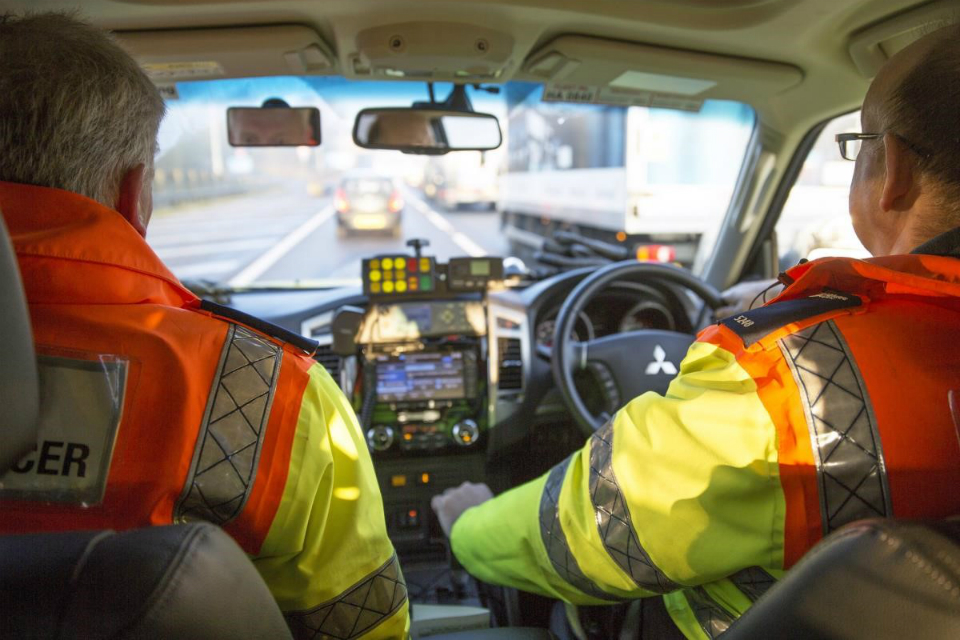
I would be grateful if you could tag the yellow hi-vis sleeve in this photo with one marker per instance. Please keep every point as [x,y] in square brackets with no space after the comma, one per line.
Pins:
[327,558]
[675,490]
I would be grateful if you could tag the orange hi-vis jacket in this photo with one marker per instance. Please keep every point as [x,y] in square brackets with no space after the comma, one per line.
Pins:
[157,411]
[828,405]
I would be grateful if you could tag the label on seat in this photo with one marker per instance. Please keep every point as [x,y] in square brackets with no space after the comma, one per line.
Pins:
[81,404]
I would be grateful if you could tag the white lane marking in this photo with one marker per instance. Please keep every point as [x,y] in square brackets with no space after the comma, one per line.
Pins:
[211,249]
[259,266]
[472,248]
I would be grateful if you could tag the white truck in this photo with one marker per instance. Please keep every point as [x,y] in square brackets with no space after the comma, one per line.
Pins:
[655,179]
[466,179]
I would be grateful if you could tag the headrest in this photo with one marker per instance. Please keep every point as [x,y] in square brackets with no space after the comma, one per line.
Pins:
[19,394]
[183,581]
[878,579]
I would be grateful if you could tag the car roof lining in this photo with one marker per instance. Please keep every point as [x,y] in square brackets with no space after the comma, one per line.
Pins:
[813,37]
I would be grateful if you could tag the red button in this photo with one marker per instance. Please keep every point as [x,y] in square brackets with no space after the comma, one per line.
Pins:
[411,265]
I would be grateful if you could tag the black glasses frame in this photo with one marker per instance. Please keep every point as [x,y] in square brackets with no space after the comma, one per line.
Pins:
[843,138]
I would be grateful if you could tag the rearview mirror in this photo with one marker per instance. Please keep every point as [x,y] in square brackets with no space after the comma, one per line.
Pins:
[426,131]
[273,126]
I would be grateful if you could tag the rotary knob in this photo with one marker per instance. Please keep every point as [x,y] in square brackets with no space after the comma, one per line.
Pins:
[380,438]
[465,433]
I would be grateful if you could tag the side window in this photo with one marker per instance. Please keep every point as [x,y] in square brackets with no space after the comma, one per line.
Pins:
[815,221]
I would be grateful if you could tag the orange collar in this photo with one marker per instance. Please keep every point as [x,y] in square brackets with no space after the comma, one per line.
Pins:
[915,274]
[72,249]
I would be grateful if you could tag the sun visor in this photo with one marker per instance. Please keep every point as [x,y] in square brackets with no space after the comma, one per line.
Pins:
[870,48]
[595,70]
[243,52]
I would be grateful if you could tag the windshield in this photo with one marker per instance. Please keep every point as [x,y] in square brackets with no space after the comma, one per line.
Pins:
[648,178]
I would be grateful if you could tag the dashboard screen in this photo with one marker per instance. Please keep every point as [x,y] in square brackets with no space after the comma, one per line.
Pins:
[421,376]
[412,320]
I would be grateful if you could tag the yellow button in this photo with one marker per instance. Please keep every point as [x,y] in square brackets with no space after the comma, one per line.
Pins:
[388,286]
[374,264]
[387,263]
[374,287]
[398,481]
[424,478]
[375,276]
[401,286]
[425,265]
[401,275]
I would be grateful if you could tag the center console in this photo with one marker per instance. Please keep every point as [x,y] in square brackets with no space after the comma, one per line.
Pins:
[421,393]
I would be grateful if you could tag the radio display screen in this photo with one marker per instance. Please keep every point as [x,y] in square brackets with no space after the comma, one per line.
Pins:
[421,376]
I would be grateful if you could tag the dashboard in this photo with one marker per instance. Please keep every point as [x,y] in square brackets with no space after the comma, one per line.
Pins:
[616,312]
[445,381]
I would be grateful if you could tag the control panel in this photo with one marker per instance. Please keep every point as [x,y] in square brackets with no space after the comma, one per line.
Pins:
[425,401]
[399,276]
[421,391]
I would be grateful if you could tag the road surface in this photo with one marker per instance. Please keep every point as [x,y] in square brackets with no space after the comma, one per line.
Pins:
[287,235]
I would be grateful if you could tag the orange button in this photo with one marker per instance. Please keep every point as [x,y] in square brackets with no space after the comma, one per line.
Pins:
[398,481]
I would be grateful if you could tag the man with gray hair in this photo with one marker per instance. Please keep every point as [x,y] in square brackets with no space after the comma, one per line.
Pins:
[181,410]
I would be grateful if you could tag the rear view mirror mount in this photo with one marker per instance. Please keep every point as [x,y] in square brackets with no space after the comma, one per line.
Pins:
[275,124]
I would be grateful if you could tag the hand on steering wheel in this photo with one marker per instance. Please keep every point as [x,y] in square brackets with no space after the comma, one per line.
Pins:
[637,361]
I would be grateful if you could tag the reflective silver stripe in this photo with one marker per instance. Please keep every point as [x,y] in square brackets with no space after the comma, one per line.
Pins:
[235,422]
[555,541]
[613,518]
[357,610]
[711,617]
[753,582]
[843,429]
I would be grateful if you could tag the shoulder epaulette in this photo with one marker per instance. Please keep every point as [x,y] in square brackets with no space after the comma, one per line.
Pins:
[757,323]
[272,330]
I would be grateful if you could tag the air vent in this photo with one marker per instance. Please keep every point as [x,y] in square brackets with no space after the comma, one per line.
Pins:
[330,361]
[511,364]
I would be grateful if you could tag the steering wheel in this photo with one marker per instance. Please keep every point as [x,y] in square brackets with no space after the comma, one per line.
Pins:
[635,361]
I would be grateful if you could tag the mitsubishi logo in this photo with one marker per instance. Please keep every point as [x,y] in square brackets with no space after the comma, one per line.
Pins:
[660,363]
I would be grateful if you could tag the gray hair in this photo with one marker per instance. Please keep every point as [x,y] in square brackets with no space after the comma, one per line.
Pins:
[76,111]
[924,110]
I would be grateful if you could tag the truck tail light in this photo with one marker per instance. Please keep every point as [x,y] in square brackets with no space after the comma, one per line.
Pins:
[656,253]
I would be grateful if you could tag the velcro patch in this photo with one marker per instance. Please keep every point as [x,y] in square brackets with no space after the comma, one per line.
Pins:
[757,323]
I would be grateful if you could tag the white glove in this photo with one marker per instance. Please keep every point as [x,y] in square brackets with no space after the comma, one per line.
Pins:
[451,504]
[740,296]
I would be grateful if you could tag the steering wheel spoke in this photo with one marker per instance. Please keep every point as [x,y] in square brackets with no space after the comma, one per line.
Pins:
[580,355]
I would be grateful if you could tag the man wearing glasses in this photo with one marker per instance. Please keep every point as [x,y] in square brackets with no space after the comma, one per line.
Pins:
[786,422]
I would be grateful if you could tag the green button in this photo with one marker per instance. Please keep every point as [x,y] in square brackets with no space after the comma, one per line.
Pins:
[426,283]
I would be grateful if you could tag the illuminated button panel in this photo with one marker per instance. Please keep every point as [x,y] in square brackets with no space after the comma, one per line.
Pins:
[399,275]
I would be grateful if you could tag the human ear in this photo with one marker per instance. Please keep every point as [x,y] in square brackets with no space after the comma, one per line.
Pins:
[898,179]
[129,198]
